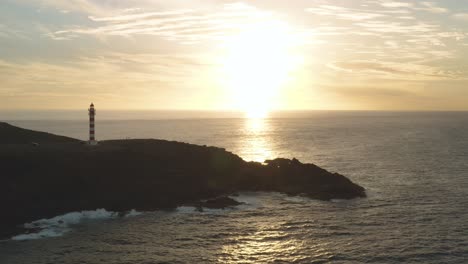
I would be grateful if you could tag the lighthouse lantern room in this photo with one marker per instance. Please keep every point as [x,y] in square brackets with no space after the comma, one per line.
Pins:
[92,113]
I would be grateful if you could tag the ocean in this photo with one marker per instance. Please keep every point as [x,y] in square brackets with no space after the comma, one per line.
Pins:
[414,166]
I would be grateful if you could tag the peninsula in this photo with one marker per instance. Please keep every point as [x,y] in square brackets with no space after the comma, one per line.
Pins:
[43,175]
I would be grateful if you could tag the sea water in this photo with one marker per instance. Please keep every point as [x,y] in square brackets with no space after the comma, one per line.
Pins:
[414,166]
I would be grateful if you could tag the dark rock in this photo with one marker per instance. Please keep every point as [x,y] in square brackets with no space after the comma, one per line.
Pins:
[216,203]
[14,135]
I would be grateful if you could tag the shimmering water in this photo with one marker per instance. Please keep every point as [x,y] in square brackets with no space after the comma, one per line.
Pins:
[413,165]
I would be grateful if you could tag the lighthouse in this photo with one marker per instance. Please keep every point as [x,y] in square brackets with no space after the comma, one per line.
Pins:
[92,113]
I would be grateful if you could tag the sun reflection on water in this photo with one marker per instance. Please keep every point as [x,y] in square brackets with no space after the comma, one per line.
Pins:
[260,247]
[256,143]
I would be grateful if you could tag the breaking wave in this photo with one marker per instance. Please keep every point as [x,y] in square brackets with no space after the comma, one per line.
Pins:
[59,225]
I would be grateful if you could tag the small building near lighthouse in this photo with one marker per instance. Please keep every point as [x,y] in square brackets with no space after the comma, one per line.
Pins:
[92,128]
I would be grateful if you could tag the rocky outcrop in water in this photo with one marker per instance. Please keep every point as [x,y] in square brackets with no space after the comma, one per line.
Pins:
[58,175]
[221,202]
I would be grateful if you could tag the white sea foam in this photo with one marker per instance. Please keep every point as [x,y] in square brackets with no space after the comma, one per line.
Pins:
[49,232]
[338,201]
[247,198]
[253,200]
[186,209]
[59,225]
[132,213]
[297,199]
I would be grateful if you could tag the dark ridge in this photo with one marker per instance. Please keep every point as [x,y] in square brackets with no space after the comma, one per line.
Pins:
[61,175]
[14,135]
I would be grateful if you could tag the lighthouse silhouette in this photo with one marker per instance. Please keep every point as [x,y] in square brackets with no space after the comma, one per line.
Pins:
[92,113]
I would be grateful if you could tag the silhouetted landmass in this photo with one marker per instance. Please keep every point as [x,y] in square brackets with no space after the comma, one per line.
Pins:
[59,175]
[14,135]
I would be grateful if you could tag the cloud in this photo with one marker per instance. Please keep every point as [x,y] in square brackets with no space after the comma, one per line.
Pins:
[368,96]
[184,25]
[461,16]
[383,30]
[432,7]
[106,67]
[123,80]
[130,50]
[136,15]
[343,13]
[7,31]
[394,70]
[83,6]
[393,4]
[427,6]
[373,92]
[397,27]
[403,95]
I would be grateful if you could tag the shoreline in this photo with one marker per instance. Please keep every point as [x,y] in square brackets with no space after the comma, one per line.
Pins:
[61,175]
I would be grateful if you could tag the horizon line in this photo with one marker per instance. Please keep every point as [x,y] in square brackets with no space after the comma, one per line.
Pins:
[238,111]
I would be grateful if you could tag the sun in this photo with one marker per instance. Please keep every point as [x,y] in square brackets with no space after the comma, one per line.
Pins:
[256,67]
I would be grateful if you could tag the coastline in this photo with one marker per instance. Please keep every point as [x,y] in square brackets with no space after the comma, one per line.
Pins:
[54,178]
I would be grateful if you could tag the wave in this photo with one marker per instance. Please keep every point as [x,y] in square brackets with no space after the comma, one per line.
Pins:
[59,225]
[186,209]
[133,213]
[249,199]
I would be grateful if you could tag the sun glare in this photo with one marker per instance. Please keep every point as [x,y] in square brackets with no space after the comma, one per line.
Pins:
[256,67]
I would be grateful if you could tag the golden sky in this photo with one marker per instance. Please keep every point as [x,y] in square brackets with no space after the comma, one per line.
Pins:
[253,56]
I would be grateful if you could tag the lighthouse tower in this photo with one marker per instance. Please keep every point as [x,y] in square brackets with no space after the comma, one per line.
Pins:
[92,113]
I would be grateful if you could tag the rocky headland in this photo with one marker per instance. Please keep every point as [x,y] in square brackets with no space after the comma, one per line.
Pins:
[43,175]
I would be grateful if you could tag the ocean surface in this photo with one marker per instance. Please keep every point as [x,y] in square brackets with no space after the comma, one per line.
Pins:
[414,166]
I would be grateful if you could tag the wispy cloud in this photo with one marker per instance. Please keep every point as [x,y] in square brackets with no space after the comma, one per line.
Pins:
[394,4]
[461,16]
[185,25]
[10,32]
[137,50]
[395,70]
[120,78]
[432,7]
[393,40]
[65,6]
[343,13]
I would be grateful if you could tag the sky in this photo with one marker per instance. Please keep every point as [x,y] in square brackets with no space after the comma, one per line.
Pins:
[254,56]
